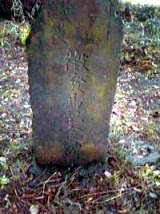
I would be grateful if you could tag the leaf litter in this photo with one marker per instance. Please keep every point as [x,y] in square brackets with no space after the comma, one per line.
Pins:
[121,186]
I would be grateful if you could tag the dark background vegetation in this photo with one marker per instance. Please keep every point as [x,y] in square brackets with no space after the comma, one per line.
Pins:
[131,181]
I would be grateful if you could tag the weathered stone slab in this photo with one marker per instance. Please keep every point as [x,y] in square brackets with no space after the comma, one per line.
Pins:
[73,63]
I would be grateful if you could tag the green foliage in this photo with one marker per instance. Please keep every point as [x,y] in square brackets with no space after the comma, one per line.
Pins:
[151,174]
[24,33]
[4,180]
[11,32]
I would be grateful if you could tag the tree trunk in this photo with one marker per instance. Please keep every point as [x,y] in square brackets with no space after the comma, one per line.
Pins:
[6,5]
[20,10]
[73,62]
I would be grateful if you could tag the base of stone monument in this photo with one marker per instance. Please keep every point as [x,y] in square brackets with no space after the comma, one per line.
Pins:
[83,173]
[56,154]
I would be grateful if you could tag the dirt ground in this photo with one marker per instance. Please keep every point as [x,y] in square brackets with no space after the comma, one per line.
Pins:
[121,187]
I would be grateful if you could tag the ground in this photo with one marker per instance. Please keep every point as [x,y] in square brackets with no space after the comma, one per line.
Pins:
[130,182]
[147,2]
